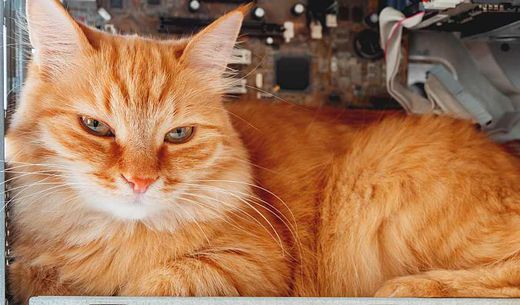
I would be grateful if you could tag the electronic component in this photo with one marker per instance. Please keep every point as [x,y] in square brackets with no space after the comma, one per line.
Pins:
[293,73]
[367,46]
[194,6]
[397,4]
[372,20]
[187,24]
[116,3]
[316,30]
[319,9]
[238,87]
[104,14]
[88,12]
[259,80]
[467,17]
[288,33]
[258,13]
[440,4]
[259,83]
[331,21]
[326,33]
[298,9]
[344,12]
[357,14]
[110,28]
[240,57]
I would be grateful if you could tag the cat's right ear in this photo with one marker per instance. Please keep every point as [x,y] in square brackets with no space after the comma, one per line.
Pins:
[211,49]
[56,38]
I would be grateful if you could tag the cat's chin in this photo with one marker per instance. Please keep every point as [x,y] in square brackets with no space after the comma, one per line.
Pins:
[123,207]
[131,210]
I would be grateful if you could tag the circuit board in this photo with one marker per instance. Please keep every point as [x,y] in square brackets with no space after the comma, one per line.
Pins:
[307,52]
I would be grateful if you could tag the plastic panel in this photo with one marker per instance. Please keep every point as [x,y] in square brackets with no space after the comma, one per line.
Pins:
[264,301]
[2,163]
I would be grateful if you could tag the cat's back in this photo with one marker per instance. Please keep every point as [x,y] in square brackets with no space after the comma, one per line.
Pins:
[396,140]
[284,125]
[424,153]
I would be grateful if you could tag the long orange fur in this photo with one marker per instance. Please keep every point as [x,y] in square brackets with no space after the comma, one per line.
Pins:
[275,200]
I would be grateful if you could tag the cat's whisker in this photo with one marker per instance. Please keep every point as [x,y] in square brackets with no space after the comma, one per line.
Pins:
[9,167]
[254,186]
[21,199]
[25,169]
[195,222]
[292,228]
[24,174]
[217,213]
[39,183]
[225,157]
[278,237]
[270,94]
[261,203]
[276,197]
[35,164]
[247,214]
[255,68]
[44,196]
[236,116]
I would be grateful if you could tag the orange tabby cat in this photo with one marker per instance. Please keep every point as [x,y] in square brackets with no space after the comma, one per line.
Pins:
[130,177]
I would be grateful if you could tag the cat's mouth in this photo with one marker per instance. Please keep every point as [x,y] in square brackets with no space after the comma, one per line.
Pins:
[137,199]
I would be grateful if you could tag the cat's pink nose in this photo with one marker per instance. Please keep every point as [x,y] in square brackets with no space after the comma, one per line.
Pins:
[138,184]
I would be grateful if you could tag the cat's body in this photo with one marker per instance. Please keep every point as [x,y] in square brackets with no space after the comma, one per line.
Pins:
[262,200]
[407,195]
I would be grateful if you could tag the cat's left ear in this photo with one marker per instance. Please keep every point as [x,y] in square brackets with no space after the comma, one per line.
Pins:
[211,49]
[54,34]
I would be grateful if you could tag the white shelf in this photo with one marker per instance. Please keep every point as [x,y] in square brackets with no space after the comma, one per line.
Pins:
[262,301]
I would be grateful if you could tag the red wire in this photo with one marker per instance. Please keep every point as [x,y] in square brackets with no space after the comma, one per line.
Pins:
[396,26]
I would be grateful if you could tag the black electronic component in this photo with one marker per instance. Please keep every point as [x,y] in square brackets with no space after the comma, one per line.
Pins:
[397,4]
[468,18]
[194,6]
[367,46]
[319,9]
[384,103]
[249,27]
[154,2]
[298,9]
[344,13]
[472,23]
[334,98]
[293,72]
[229,1]
[321,6]
[372,20]
[357,14]
[116,3]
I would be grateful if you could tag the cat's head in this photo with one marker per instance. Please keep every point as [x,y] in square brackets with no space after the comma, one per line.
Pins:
[135,126]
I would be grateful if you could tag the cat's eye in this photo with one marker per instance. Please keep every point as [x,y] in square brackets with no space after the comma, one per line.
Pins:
[96,127]
[179,135]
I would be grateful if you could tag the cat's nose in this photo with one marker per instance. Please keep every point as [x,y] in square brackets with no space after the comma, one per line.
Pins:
[139,184]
